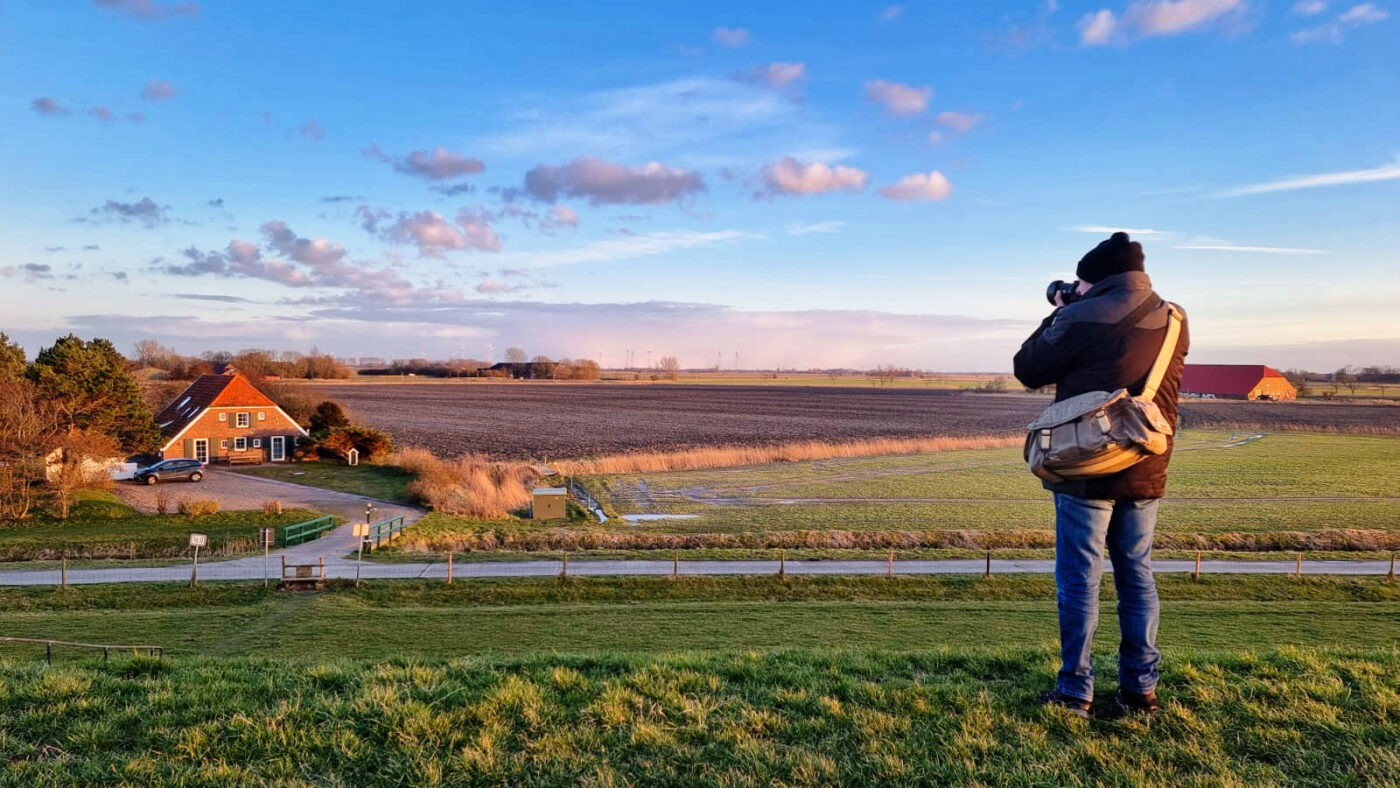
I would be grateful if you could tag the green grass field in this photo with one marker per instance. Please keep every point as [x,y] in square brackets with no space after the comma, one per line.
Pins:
[700,680]
[384,482]
[1282,492]
[595,615]
[102,526]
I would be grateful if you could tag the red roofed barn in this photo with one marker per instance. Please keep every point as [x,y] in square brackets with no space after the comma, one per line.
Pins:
[1235,381]
[224,418]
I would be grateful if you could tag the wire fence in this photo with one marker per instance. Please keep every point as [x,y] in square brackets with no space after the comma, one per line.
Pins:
[310,568]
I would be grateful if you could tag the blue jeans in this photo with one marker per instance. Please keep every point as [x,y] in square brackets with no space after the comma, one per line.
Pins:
[1082,528]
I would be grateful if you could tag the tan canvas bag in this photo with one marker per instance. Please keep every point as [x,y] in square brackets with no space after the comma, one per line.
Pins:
[1102,432]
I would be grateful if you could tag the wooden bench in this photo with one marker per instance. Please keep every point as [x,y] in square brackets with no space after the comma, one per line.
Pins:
[243,458]
[303,575]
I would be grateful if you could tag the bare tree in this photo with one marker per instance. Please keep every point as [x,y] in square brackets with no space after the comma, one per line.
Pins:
[79,464]
[671,366]
[516,355]
[28,432]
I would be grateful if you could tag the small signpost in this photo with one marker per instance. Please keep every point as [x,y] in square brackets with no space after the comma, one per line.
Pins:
[268,537]
[196,541]
[361,533]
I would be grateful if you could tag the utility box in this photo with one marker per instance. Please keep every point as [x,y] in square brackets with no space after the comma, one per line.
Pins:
[548,503]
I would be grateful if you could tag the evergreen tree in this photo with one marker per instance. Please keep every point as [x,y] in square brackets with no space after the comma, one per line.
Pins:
[328,416]
[11,359]
[88,384]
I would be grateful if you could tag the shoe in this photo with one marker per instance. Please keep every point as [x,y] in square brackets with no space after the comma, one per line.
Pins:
[1129,702]
[1071,704]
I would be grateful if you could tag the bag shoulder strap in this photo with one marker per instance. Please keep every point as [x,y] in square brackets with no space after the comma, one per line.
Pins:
[1164,356]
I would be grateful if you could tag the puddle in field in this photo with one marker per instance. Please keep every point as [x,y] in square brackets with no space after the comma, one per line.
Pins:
[647,518]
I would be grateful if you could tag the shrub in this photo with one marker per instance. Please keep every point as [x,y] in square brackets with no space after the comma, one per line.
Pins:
[272,507]
[372,444]
[199,507]
[161,500]
[328,416]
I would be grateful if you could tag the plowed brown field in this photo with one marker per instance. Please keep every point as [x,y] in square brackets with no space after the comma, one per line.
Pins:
[544,421]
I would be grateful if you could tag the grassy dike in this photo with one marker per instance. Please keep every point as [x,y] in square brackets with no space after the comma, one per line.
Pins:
[698,680]
[648,615]
[788,717]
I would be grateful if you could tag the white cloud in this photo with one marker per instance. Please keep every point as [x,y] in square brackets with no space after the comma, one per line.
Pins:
[891,13]
[604,182]
[776,74]
[1148,18]
[790,176]
[961,122]
[1334,32]
[808,228]
[1309,7]
[936,138]
[1217,245]
[625,248]
[1096,28]
[919,186]
[1103,229]
[732,37]
[434,235]
[1389,172]
[158,90]
[898,98]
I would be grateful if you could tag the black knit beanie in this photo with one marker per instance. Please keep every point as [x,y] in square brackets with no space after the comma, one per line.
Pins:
[1114,256]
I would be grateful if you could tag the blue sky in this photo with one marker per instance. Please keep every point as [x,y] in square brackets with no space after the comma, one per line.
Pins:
[852,185]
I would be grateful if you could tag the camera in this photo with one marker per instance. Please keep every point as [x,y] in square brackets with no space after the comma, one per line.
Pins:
[1069,291]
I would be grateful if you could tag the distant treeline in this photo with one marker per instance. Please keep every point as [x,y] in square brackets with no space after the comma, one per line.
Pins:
[255,363]
[1349,374]
[541,368]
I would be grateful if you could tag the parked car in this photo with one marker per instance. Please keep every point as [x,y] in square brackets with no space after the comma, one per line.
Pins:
[170,470]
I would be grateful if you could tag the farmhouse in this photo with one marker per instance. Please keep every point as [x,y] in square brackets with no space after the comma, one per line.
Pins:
[224,418]
[1235,381]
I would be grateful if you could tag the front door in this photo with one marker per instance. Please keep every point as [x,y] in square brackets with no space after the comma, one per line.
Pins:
[201,449]
[278,450]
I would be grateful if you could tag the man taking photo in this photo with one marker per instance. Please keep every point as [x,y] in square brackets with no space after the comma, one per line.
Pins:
[1105,334]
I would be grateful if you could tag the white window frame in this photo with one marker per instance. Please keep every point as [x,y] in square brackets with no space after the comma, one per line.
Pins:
[262,415]
[240,420]
[223,444]
[277,449]
[223,417]
[257,443]
[240,444]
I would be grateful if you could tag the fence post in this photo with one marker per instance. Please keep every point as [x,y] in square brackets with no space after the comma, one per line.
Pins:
[782,563]
[449,567]
[676,564]
[564,568]
[1391,576]
[48,652]
[1300,565]
[988,573]
[889,565]
[1197,575]
[63,573]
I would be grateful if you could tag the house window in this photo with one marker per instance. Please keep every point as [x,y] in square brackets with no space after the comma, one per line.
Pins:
[240,444]
[223,417]
[257,443]
[240,420]
[262,416]
[223,444]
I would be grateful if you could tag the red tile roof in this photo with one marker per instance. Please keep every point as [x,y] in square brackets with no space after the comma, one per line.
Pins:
[208,391]
[1228,379]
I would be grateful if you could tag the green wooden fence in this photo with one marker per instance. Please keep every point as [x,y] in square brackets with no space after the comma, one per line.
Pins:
[384,530]
[305,532]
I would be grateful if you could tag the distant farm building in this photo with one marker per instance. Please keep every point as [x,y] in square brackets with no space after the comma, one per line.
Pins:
[224,418]
[525,370]
[1235,381]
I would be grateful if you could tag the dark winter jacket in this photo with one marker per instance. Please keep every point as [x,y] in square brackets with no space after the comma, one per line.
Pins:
[1074,348]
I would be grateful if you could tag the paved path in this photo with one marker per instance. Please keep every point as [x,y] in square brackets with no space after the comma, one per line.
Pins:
[338,567]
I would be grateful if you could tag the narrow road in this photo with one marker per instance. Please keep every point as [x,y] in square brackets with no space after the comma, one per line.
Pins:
[338,567]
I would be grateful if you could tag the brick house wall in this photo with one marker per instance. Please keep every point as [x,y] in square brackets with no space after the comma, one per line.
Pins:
[219,426]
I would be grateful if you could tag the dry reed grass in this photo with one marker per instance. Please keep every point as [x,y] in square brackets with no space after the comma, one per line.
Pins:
[470,485]
[490,539]
[734,456]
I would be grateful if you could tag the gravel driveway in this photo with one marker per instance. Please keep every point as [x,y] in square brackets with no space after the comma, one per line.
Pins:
[237,491]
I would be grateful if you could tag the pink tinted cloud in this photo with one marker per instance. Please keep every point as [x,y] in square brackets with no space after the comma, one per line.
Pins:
[898,98]
[790,176]
[604,182]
